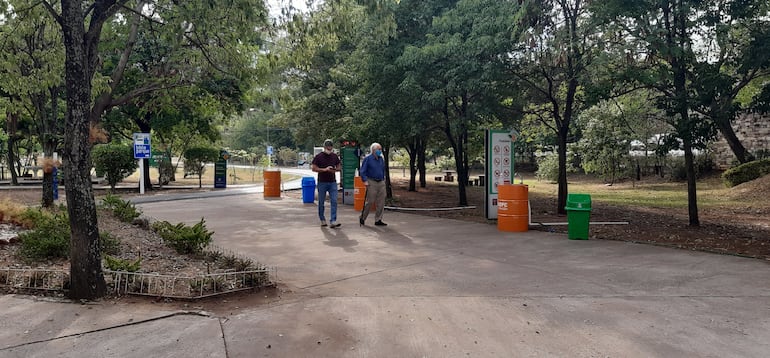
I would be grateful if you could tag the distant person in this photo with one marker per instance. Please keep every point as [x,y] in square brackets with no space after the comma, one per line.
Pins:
[373,175]
[327,164]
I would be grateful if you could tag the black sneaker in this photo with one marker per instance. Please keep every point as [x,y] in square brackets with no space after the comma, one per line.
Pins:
[380,223]
[334,224]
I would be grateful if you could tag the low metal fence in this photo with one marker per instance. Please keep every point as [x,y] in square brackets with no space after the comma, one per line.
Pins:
[170,286]
[24,279]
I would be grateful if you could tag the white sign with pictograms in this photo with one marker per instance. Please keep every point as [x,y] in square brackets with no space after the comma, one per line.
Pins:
[499,168]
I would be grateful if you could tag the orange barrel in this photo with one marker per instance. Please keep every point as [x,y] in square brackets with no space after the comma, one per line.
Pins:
[512,208]
[272,183]
[359,195]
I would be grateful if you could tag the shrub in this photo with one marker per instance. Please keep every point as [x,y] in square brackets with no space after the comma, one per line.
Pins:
[11,211]
[118,264]
[746,172]
[548,168]
[49,238]
[109,244]
[123,210]
[196,159]
[184,239]
[115,161]
[703,165]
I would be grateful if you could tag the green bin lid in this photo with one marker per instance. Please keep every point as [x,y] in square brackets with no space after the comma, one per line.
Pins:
[578,201]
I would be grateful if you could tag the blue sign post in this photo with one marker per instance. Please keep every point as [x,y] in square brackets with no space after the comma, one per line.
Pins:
[142,151]
[142,148]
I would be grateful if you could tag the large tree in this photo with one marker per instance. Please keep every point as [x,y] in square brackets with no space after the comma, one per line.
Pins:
[31,74]
[662,54]
[199,25]
[460,70]
[559,49]
[734,53]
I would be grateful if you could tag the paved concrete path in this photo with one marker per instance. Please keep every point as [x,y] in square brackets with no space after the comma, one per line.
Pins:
[424,287]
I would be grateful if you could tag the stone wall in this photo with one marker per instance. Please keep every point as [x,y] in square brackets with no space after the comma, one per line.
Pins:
[754,132]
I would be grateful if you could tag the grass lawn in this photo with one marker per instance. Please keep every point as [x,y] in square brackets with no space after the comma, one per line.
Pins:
[711,192]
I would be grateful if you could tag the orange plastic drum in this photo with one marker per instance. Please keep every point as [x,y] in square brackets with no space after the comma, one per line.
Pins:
[512,208]
[359,195]
[272,183]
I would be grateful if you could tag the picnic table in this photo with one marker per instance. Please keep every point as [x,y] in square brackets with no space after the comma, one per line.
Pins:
[449,175]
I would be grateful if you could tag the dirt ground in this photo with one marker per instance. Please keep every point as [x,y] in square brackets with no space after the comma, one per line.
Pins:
[735,230]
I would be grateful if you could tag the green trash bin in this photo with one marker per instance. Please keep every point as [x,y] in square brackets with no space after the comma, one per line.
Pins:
[578,216]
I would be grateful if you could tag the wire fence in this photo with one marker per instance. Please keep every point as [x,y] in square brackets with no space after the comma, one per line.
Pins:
[34,279]
[169,286]
[250,277]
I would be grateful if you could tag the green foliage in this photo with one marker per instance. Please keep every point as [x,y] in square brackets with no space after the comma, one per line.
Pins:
[196,159]
[115,161]
[746,172]
[184,239]
[122,209]
[118,264]
[703,164]
[762,154]
[108,244]
[49,237]
[548,168]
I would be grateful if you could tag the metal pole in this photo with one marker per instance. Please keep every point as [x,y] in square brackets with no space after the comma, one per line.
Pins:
[141,176]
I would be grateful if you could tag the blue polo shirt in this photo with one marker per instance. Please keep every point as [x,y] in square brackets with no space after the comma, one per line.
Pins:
[373,168]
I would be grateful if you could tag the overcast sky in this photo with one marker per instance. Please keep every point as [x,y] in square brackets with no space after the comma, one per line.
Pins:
[276,5]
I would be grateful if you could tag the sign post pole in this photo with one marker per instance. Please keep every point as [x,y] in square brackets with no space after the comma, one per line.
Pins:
[141,176]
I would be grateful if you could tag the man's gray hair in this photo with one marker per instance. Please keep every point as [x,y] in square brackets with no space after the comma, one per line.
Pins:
[371,147]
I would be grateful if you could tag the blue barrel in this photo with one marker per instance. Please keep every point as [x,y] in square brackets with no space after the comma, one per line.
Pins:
[308,189]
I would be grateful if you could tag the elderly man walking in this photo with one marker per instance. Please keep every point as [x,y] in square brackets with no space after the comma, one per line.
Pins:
[373,175]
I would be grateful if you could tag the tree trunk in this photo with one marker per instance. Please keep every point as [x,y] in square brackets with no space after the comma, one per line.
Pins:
[48,149]
[11,122]
[692,199]
[86,277]
[732,140]
[561,201]
[412,151]
[421,164]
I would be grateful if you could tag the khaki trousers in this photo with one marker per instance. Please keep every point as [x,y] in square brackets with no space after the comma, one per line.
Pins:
[375,194]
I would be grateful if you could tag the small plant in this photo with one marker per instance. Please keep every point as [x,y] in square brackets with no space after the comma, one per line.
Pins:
[184,239]
[208,284]
[29,218]
[49,237]
[118,264]
[108,244]
[256,279]
[110,201]
[243,265]
[124,210]
[212,256]
[10,210]
[228,262]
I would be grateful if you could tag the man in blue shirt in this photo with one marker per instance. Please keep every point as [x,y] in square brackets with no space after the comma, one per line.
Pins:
[373,175]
